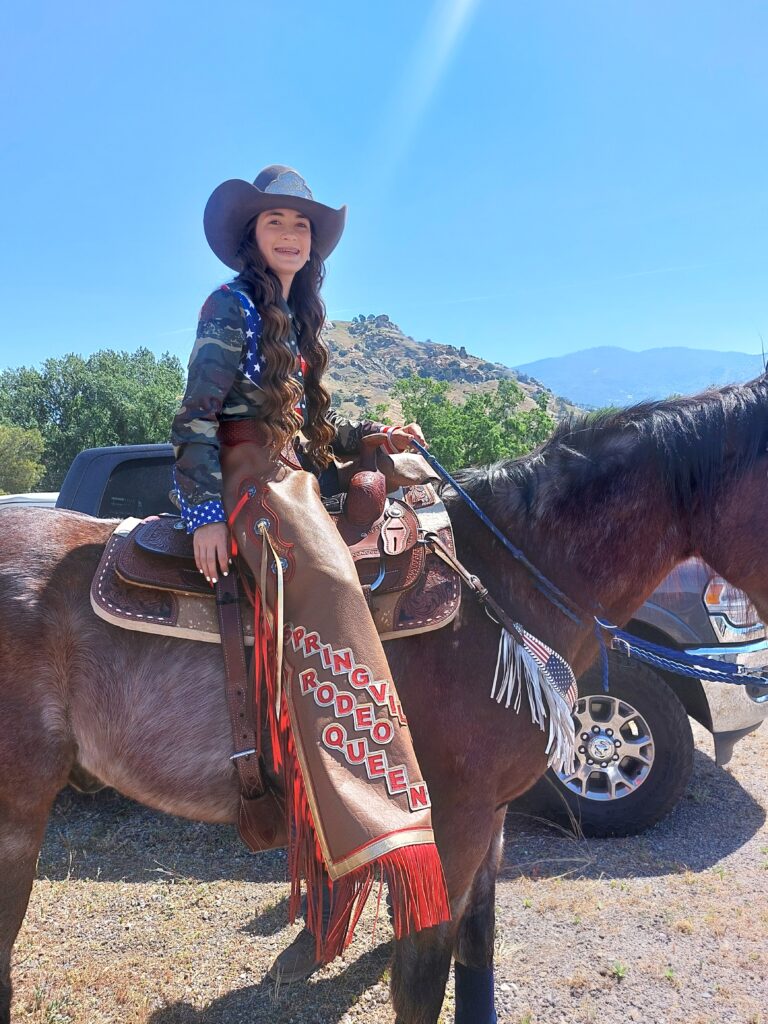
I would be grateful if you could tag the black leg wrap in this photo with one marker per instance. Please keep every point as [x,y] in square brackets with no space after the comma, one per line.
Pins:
[474,995]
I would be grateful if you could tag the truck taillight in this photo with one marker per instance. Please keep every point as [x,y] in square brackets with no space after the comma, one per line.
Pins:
[721,598]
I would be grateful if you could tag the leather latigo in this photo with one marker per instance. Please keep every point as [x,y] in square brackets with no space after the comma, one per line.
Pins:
[365,790]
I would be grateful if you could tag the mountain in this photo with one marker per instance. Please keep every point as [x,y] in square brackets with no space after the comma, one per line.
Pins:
[369,354]
[596,377]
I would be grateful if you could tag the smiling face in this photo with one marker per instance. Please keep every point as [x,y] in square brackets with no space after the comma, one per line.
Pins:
[284,238]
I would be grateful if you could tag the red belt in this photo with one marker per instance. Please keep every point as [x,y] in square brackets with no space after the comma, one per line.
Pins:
[233,432]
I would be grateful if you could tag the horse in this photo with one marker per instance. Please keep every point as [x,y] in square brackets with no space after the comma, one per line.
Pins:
[605,508]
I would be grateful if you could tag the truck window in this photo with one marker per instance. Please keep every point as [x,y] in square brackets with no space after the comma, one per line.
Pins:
[138,487]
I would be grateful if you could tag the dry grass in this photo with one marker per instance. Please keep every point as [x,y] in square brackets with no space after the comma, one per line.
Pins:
[138,918]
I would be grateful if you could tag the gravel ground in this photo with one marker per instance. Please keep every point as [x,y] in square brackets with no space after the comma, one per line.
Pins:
[139,918]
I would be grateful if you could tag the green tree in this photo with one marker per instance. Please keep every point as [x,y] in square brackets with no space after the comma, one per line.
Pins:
[379,413]
[20,466]
[485,427]
[107,398]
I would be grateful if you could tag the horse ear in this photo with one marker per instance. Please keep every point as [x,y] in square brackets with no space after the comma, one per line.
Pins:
[404,469]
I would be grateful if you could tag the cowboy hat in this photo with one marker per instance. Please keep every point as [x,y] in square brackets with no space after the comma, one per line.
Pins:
[236,202]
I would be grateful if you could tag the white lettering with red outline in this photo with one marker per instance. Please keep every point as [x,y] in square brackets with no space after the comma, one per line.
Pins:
[418,796]
[382,731]
[325,694]
[334,736]
[397,780]
[345,704]
[308,681]
[379,691]
[376,764]
[343,661]
[310,644]
[356,750]
[360,677]
[364,717]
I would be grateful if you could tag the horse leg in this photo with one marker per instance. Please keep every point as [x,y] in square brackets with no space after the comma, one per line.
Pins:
[420,972]
[36,755]
[21,835]
[475,936]
[422,960]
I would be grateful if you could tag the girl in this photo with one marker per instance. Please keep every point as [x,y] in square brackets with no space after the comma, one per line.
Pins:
[255,380]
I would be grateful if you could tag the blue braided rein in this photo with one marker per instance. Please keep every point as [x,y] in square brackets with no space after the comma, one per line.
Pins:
[680,662]
[667,658]
[546,586]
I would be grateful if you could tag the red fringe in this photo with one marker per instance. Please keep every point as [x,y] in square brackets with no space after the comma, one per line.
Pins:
[414,874]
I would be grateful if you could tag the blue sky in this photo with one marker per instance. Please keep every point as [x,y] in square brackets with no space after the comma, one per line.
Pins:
[523,179]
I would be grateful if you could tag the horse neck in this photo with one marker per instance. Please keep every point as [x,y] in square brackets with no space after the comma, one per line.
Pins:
[607,553]
[731,534]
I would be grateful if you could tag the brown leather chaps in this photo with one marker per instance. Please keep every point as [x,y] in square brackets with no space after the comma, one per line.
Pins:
[355,797]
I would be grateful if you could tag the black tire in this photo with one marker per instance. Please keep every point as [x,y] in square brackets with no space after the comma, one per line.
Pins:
[651,791]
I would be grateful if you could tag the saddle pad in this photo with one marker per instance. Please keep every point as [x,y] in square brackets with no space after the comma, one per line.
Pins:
[430,601]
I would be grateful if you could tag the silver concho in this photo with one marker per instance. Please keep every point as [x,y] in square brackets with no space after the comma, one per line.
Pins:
[289,183]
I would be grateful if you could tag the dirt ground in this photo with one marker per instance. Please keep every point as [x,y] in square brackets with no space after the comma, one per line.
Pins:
[139,918]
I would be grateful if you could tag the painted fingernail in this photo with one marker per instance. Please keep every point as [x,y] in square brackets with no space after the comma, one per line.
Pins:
[208,578]
[214,580]
[225,573]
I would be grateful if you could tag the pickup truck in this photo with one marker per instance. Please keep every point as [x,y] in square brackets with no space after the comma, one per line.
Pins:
[635,742]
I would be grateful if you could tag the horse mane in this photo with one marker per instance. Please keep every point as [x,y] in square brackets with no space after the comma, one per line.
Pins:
[688,446]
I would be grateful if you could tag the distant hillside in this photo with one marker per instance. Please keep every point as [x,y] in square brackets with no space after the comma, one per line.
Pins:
[369,355]
[597,377]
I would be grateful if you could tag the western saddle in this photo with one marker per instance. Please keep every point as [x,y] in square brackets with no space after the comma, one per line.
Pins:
[148,580]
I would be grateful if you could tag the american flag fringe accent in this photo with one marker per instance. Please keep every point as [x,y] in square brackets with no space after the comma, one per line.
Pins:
[550,686]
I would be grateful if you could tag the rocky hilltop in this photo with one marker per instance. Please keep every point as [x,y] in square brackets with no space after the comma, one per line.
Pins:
[368,354]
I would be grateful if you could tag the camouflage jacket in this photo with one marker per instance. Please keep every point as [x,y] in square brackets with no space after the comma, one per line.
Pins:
[223,383]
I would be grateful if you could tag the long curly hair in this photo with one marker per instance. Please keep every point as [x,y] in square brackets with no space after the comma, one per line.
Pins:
[281,389]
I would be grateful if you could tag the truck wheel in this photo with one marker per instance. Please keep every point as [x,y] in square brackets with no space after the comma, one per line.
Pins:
[634,755]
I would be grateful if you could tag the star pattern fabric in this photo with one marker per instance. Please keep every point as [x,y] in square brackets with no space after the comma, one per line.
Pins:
[197,515]
[252,363]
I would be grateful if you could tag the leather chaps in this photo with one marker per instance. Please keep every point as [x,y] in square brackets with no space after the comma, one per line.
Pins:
[355,797]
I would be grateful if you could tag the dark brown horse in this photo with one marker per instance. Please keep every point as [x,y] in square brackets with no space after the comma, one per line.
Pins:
[606,508]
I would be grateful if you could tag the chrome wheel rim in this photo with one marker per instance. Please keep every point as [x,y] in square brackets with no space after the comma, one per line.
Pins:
[614,749]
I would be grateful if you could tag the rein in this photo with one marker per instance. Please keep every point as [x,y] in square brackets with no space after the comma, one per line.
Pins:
[667,658]
[546,586]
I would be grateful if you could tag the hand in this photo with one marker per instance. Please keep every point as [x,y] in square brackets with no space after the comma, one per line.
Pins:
[211,545]
[400,437]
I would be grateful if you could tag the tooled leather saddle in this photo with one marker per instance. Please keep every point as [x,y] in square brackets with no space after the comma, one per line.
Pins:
[147,578]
